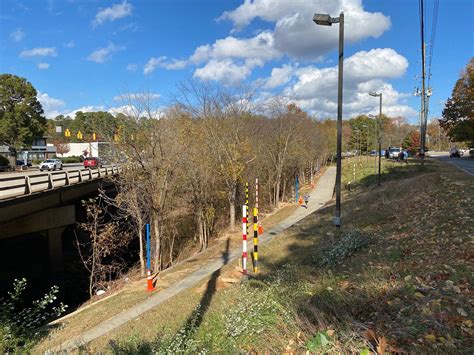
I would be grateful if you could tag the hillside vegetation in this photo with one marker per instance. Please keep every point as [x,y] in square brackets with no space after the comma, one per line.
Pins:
[397,278]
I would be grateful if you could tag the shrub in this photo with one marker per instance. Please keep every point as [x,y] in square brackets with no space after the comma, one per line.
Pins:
[347,244]
[4,161]
[20,325]
[73,159]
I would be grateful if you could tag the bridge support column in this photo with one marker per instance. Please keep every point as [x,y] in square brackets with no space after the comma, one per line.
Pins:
[55,247]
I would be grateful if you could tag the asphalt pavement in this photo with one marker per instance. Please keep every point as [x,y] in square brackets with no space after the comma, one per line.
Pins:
[465,163]
[32,170]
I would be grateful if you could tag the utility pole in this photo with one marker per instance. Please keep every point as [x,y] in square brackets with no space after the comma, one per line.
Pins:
[423,88]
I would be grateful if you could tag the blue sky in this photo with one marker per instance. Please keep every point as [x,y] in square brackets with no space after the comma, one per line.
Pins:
[81,54]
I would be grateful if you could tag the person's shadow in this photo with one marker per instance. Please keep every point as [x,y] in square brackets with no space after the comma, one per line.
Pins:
[194,321]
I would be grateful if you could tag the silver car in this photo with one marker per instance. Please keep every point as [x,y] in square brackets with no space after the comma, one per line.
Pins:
[51,164]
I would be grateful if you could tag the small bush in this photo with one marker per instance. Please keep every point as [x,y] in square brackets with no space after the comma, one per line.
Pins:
[20,325]
[346,245]
[73,159]
[4,161]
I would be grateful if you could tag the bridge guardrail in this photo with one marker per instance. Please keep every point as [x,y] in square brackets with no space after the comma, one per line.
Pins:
[17,186]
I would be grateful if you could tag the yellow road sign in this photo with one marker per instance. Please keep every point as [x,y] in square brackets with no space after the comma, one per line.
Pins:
[79,135]
[67,133]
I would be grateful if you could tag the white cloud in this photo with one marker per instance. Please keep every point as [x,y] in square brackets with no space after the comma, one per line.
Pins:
[295,33]
[51,106]
[226,71]
[315,89]
[17,35]
[90,108]
[135,96]
[101,55]
[279,76]
[70,44]
[40,52]
[43,66]
[162,62]
[112,13]
[132,67]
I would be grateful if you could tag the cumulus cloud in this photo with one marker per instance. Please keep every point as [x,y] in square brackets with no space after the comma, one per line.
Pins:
[51,106]
[315,89]
[226,71]
[89,108]
[135,96]
[39,52]
[295,33]
[163,62]
[279,76]
[101,55]
[17,35]
[43,66]
[115,12]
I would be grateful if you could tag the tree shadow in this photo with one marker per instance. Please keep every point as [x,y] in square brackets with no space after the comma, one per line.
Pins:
[194,321]
[179,342]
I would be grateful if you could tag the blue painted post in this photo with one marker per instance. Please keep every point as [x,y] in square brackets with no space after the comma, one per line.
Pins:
[297,184]
[148,261]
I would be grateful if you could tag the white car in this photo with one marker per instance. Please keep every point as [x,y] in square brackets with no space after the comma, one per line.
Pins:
[51,164]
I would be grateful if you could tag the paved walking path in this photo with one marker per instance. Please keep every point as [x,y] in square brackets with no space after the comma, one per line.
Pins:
[318,197]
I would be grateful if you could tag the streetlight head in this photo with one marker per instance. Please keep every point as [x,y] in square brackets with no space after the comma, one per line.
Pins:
[322,19]
[373,93]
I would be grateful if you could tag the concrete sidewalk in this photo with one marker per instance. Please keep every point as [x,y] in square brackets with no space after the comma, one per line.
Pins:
[318,197]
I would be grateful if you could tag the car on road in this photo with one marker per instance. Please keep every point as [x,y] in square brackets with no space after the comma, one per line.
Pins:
[373,153]
[471,152]
[455,153]
[394,152]
[51,164]
[92,163]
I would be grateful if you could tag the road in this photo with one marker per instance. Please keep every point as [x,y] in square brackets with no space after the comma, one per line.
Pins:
[319,197]
[465,163]
[35,170]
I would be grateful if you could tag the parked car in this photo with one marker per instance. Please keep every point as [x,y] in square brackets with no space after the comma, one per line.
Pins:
[393,152]
[455,153]
[92,163]
[373,153]
[51,164]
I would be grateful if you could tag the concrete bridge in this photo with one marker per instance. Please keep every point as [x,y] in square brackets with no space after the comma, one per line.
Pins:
[43,205]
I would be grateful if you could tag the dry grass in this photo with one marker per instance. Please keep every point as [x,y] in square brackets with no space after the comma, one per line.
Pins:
[408,290]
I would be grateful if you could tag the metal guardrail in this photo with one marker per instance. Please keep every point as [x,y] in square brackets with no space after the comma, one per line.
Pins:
[22,185]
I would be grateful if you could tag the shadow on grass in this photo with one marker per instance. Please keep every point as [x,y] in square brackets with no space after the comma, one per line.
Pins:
[401,170]
[179,342]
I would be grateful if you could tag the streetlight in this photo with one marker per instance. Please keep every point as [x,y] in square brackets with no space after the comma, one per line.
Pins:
[326,20]
[374,94]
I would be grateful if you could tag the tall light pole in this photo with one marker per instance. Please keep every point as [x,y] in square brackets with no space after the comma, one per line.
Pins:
[326,20]
[375,94]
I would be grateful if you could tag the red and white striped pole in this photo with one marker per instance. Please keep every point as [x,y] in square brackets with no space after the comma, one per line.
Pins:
[244,240]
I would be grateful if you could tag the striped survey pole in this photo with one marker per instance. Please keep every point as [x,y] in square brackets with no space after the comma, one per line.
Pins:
[247,202]
[244,240]
[259,227]
[255,240]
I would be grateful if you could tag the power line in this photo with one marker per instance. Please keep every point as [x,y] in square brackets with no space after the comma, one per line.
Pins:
[434,23]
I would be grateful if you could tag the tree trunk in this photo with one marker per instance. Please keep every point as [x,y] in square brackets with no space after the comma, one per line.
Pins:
[142,257]
[156,230]
[284,190]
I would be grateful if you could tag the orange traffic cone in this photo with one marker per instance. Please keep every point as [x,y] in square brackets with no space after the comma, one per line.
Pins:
[149,282]
[260,229]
